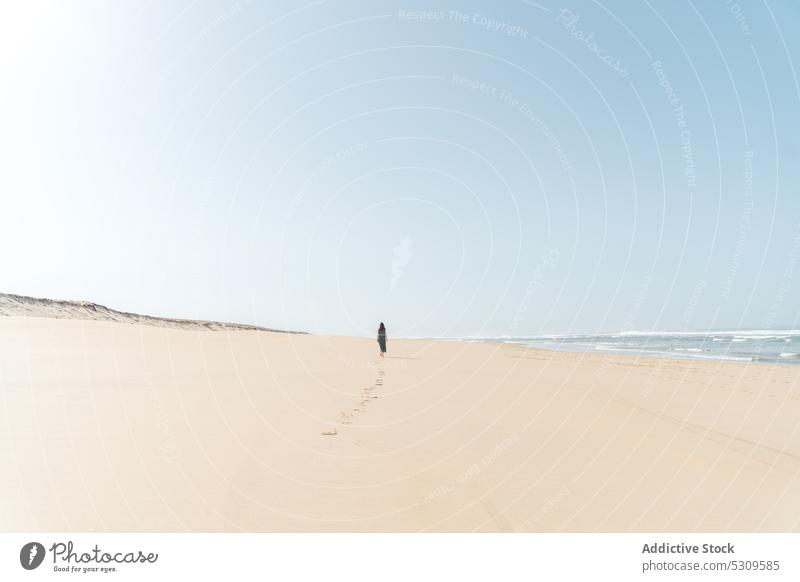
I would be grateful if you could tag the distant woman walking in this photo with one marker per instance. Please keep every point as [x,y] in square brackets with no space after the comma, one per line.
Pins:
[382,339]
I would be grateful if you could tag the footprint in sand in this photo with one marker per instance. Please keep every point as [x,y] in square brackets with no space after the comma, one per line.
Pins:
[346,417]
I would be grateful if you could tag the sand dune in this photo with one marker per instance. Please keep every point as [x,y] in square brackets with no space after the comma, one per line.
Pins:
[120,426]
[23,306]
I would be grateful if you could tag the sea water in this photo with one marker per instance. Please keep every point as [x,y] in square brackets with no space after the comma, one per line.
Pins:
[768,346]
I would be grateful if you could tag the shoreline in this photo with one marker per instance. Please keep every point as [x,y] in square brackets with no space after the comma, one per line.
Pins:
[684,354]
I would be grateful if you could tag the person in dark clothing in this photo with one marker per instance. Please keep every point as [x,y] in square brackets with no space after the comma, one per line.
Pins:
[382,339]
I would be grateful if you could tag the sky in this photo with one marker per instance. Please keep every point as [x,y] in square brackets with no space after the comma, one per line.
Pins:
[450,168]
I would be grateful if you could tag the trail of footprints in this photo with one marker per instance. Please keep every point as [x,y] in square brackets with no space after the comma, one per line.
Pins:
[345,417]
[738,381]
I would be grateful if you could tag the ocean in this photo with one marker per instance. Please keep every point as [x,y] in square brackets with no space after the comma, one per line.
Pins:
[767,346]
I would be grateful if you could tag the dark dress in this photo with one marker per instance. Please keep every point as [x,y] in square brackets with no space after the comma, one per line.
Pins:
[382,341]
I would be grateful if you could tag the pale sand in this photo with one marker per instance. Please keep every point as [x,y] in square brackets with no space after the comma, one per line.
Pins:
[116,426]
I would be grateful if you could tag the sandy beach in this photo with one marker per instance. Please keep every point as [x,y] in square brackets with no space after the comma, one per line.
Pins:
[110,425]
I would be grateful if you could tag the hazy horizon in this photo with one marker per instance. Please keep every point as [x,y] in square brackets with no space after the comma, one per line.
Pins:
[620,332]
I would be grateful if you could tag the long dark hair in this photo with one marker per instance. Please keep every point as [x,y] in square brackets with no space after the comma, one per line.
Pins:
[382,328]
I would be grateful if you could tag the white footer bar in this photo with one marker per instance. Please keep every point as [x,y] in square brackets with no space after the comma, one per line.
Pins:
[388,557]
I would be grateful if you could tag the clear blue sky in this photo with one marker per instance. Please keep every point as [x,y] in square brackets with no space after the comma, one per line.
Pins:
[484,168]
